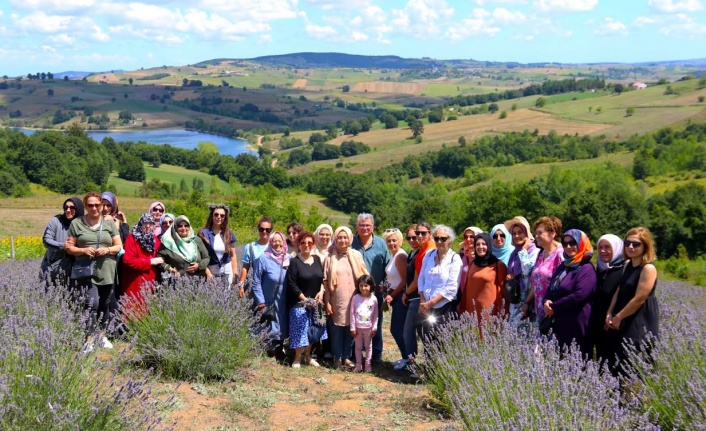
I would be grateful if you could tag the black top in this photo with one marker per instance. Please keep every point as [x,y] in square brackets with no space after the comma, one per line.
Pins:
[607,282]
[303,278]
[411,272]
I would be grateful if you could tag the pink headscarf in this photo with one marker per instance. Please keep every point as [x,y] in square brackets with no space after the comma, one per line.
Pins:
[281,256]
[158,227]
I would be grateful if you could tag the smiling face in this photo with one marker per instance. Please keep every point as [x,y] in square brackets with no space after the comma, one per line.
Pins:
[305,246]
[167,223]
[364,289]
[393,244]
[277,243]
[468,237]
[605,251]
[324,237]
[342,241]
[543,237]
[264,230]
[481,247]
[107,207]
[365,228]
[633,246]
[518,235]
[412,239]
[219,216]
[147,227]
[183,229]
[157,212]
[94,206]
[570,246]
[69,210]
[499,238]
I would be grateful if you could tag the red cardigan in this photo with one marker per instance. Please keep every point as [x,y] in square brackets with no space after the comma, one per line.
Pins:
[136,270]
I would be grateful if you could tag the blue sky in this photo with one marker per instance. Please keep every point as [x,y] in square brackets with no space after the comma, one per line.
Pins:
[97,35]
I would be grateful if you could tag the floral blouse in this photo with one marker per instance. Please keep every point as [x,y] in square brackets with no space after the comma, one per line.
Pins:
[542,275]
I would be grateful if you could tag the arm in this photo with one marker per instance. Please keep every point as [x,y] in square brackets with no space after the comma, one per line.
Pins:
[374,316]
[584,286]
[258,273]
[132,258]
[527,260]
[204,258]
[450,288]
[644,288]
[354,307]
[401,266]
[50,233]
[500,289]
[234,261]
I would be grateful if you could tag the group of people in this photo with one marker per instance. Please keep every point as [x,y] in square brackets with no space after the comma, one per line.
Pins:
[324,291]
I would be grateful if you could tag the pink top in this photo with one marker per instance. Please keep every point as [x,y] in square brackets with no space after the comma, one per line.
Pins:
[340,297]
[364,312]
[542,275]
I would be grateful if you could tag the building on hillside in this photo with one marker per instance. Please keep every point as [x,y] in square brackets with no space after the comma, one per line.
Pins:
[639,85]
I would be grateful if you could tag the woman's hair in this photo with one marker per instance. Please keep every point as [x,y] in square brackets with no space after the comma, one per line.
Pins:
[392,233]
[648,253]
[297,227]
[423,224]
[305,234]
[551,224]
[91,195]
[450,232]
[264,220]
[224,227]
[365,279]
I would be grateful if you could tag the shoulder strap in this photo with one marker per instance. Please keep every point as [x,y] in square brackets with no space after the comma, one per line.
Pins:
[98,237]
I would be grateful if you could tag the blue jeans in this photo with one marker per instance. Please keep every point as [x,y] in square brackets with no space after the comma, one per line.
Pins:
[410,328]
[397,321]
[341,340]
[377,339]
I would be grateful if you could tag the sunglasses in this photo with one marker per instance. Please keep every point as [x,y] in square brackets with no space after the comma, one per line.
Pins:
[469,236]
[307,243]
[94,205]
[167,222]
[180,225]
[499,235]
[157,210]
[218,215]
[571,243]
[441,238]
[421,232]
[264,229]
[411,238]
[634,244]
[69,207]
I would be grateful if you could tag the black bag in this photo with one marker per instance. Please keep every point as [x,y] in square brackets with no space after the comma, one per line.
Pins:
[546,325]
[269,314]
[317,324]
[83,269]
[512,291]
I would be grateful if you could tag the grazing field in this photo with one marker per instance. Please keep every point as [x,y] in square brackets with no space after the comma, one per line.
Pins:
[167,174]
[389,87]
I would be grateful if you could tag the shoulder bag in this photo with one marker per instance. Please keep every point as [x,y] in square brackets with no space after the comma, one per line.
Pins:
[83,269]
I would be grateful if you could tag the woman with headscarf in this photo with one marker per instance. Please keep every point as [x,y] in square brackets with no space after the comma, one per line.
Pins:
[610,265]
[183,252]
[568,301]
[165,223]
[220,242]
[502,246]
[110,208]
[140,265]
[342,268]
[269,271]
[483,294]
[469,253]
[323,235]
[157,209]
[520,266]
[56,263]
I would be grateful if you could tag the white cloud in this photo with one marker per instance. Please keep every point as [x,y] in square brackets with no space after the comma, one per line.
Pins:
[266,38]
[54,6]
[506,17]
[359,36]
[611,27]
[62,39]
[99,35]
[320,31]
[675,6]
[644,20]
[566,5]
[494,2]
[47,48]
[42,23]
[683,24]
[480,23]
[337,4]
[422,17]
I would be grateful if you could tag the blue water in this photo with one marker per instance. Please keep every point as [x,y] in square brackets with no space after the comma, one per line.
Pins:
[176,138]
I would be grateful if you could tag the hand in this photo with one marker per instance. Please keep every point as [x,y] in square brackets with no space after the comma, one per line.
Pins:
[121,216]
[373,332]
[261,306]
[193,267]
[102,251]
[548,308]
[388,299]
[525,311]
[69,243]
[423,308]
[329,309]
[405,301]
[615,322]
[241,292]
[156,261]
[319,297]
[108,217]
[173,270]
[90,252]
[526,245]
[353,333]
[509,277]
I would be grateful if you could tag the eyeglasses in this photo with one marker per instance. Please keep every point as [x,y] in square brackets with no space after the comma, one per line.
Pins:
[421,232]
[264,229]
[571,243]
[411,238]
[167,222]
[499,235]
[365,226]
[94,205]
[219,215]
[69,207]
[182,225]
[441,238]
[634,244]
[307,243]
[469,236]
[157,210]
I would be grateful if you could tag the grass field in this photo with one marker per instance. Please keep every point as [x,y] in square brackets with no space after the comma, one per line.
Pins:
[168,174]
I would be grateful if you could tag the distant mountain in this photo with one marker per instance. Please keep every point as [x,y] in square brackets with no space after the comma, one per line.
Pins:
[72,74]
[335,59]
[699,62]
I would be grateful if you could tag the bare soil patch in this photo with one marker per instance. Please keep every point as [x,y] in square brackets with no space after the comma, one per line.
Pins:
[389,87]
[299,83]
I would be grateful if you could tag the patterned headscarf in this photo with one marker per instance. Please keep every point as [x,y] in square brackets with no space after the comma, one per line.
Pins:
[616,245]
[585,249]
[145,239]
[184,247]
[502,253]
[281,257]
[355,259]
[110,197]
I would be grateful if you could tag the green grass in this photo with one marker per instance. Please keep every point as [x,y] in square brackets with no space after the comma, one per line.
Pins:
[165,173]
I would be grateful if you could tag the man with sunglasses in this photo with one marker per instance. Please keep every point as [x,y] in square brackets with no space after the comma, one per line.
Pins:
[376,256]
[254,250]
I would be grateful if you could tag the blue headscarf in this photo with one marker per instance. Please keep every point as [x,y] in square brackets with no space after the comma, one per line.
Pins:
[502,253]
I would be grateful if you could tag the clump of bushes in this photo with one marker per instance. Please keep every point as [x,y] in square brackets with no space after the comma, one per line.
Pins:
[196,330]
[46,383]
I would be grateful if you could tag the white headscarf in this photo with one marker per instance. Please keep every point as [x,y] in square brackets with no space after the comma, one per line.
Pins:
[616,244]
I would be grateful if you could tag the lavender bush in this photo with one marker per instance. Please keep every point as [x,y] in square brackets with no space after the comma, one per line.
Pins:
[196,330]
[45,382]
[514,381]
[671,387]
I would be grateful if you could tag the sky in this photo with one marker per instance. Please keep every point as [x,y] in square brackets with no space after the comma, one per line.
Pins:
[100,35]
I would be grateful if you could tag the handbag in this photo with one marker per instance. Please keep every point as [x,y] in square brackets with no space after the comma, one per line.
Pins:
[317,325]
[83,269]
[512,291]
[546,325]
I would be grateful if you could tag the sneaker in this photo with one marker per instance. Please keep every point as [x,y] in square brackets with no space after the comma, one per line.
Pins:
[400,365]
[337,363]
[313,362]
[296,365]
[397,362]
[368,368]
[106,344]
[87,347]
[348,363]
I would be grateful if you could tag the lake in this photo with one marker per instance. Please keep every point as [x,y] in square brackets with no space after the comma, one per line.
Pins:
[176,138]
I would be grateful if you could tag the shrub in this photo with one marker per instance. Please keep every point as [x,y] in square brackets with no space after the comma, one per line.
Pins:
[45,382]
[513,380]
[196,330]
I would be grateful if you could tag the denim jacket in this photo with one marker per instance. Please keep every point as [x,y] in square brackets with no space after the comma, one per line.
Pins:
[208,236]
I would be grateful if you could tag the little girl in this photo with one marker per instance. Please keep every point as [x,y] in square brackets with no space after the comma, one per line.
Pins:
[364,321]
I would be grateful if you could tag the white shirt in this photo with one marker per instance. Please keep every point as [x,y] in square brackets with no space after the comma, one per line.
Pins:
[440,279]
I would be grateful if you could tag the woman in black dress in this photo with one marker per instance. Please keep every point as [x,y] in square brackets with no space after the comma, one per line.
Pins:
[610,269]
[633,313]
